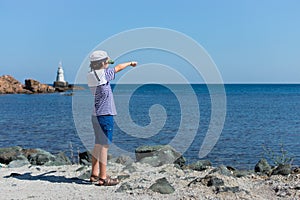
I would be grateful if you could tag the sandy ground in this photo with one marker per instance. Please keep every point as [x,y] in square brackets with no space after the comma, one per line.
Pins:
[62,182]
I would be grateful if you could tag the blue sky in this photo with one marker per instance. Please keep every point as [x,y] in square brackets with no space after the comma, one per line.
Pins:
[253,41]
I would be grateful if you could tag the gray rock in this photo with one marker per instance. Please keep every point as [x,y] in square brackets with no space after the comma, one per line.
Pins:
[242,173]
[85,158]
[20,162]
[222,169]
[296,170]
[123,177]
[208,180]
[153,161]
[282,169]
[180,162]
[130,168]
[85,175]
[124,187]
[146,151]
[200,165]
[228,189]
[214,181]
[124,160]
[9,154]
[40,157]
[162,186]
[158,155]
[282,191]
[60,159]
[263,167]
[23,157]
[195,182]
[230,171]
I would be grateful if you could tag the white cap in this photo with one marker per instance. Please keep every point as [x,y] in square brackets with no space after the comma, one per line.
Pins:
[98,55]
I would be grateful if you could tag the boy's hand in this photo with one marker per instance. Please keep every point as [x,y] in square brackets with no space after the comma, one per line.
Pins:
[133,63]
[122,66]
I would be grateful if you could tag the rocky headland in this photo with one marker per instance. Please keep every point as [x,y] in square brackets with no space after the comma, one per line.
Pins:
[9,85]
[157,172]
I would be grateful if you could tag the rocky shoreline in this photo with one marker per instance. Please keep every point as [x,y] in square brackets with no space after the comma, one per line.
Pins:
[10,85]
[158,172]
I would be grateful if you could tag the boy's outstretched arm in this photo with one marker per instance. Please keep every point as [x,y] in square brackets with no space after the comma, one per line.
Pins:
[122,66]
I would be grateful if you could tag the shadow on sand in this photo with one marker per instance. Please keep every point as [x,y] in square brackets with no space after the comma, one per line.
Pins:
[47,177]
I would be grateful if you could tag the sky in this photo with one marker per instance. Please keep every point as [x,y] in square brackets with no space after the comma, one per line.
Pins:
[250,41]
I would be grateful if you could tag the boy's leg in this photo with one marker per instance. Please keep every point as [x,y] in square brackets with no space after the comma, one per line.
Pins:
[106,124]
[95,160]
[103,161]
[104,178]
[97,148]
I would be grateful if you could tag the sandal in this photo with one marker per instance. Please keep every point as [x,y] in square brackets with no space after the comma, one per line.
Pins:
[108,181]
[94,178]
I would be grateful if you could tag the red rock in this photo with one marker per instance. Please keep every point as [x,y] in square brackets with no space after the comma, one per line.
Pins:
[9,85]
[37,87]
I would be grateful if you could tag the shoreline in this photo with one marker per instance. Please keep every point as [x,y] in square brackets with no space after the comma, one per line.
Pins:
[71,181]
[153,176]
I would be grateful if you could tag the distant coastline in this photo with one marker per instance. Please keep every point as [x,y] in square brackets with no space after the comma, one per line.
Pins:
[10,85]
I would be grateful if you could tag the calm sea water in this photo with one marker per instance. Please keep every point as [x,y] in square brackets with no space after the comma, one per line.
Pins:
[257,116]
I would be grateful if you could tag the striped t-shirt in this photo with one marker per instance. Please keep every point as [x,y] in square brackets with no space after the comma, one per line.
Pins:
[104,100]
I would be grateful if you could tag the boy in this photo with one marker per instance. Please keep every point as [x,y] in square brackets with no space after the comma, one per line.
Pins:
[99,82]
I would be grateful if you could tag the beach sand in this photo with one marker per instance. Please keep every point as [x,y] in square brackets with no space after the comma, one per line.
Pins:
[65,182]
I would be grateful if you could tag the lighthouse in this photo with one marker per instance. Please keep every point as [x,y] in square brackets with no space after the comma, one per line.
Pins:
[60,82]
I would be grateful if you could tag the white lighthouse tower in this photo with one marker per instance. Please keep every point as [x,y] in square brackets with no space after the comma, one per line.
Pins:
[60,82]
[60,73]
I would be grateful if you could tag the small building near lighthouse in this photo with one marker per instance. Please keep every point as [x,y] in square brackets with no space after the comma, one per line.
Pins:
[60,84]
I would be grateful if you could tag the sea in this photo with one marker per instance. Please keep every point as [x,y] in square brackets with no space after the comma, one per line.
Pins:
[256,121]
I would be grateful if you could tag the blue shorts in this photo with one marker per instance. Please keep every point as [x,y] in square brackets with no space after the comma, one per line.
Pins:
[103,128]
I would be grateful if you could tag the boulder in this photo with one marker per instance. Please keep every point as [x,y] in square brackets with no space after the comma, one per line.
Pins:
[17,157]
[129,168]
[158,155]
[40,157]
[296,170]
[124,160]
[282,169]
[20,161]
[242,173]
[200,165]
[86,174]
[208,180]
[214,181]
[9,85]
[37,87]
[85,158]
[234,189]
[263,167]
[125,187]
[9,154]
[146,151]
[162,186]
[60,159]
[222,169]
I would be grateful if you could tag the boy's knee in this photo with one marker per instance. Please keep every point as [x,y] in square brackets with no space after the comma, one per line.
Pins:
[105,146]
